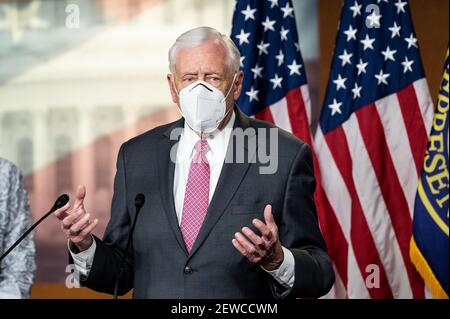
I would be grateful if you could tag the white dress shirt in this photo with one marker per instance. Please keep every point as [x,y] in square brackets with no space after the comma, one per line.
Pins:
[218,144]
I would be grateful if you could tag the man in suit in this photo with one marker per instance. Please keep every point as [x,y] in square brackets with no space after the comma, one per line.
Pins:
[213,225]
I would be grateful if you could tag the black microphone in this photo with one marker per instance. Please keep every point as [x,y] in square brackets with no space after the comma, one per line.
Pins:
[139,201]
[60,202]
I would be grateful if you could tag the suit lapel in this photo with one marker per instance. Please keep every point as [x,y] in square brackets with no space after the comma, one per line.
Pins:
[166,166]
[229,180]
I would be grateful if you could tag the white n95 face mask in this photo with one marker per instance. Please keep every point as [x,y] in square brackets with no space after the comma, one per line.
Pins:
[203,106]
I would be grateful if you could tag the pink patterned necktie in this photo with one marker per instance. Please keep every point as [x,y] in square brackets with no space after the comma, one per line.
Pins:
[197,195]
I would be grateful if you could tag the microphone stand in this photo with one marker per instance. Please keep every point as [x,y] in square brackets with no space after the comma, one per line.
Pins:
[60,202]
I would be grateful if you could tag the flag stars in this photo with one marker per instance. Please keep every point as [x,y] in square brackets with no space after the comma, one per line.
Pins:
[280,58]
[268,24]
[350,33]
[400,6]
[249,13]
[368,42]
[374,20]
[252,94]
[241,62]
[356,91]
[243,37]
[294,68]
[283,33]
[273,3]
[389,54]
[276,81]
[287,11]
[257,71]
[412,41]
[346,58]
[382,77]
[262,47]
[340,83]
[297,46]
[395,29]
[407,65]
[361,66]
[335,107]
[356,9]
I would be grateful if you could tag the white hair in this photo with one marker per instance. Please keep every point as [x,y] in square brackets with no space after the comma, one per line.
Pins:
[200,35]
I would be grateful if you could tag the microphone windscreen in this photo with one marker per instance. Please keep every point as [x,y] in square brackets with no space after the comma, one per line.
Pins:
[139,200]
[61,201]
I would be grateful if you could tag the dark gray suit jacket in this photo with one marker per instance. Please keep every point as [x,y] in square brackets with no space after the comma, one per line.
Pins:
[159,265]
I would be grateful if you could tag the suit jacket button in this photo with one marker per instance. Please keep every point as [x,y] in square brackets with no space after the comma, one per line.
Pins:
[187,270]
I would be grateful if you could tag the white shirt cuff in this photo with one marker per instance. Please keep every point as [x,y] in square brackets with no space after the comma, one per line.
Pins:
[285,274]
[83,260]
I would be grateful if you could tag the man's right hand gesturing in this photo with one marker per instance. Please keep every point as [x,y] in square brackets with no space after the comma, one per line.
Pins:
[76,223]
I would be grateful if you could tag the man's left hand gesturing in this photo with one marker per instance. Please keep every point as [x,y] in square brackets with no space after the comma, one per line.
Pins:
[265,250]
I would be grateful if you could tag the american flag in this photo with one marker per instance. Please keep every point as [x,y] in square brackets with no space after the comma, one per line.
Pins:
[275,87]
[370,144]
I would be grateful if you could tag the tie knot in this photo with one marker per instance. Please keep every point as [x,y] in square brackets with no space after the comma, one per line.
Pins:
[202,146]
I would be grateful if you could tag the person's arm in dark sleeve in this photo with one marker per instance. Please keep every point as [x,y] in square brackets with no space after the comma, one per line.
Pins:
[109,251]
[300,233]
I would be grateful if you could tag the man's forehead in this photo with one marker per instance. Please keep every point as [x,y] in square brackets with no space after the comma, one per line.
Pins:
[194,68]
[207,49]
[210,56]
[208,46]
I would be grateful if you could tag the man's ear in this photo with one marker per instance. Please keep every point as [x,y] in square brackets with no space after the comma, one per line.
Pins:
[173,92]
[238,85]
